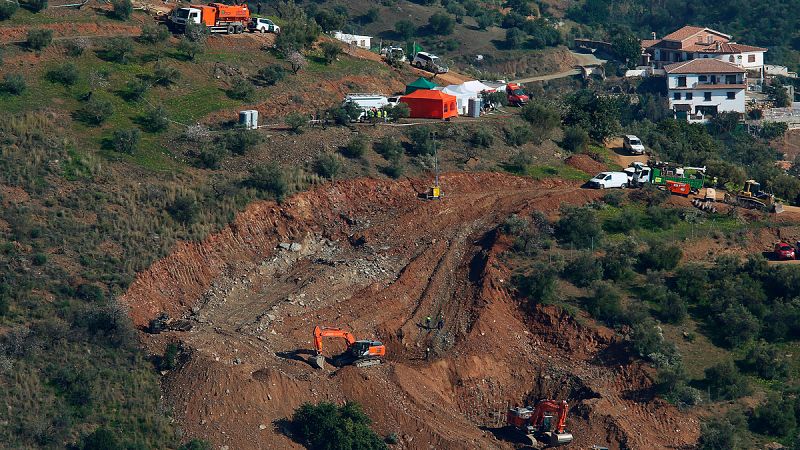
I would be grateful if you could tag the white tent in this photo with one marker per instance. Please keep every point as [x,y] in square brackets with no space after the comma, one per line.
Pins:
[464,92]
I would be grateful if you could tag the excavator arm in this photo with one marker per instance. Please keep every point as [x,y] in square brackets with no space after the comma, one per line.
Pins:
[557,408]
[321,332]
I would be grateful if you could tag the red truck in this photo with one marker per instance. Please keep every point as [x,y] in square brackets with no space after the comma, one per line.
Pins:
[218,18]
[516,95]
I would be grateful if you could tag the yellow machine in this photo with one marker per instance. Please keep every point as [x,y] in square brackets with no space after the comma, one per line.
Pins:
[435,191]
[752,197]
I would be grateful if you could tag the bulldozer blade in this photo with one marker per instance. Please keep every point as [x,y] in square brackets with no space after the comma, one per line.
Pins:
[318,361]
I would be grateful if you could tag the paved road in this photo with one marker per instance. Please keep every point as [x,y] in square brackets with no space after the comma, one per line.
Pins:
[582,59]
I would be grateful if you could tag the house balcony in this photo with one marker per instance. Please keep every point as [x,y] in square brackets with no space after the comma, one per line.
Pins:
[706,85]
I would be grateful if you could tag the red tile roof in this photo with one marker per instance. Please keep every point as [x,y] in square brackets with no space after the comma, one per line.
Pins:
[647,43]
[703,65]
[731,48]
[683,33]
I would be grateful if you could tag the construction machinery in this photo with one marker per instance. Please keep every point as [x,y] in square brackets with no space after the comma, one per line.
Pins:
[545,423]
[752,197]
[217,17]
[435,191]
[359,353]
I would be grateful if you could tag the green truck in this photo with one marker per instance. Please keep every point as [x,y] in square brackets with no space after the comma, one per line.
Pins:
[660,173]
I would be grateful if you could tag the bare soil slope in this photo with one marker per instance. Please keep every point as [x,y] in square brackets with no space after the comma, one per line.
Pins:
[377,261]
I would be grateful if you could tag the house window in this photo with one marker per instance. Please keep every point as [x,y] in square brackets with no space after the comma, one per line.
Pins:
[681,81]
[689,96]
[703,78]
[731,95]
[751,58]
[730,79]
[676,96]
[713,79]
[707,96]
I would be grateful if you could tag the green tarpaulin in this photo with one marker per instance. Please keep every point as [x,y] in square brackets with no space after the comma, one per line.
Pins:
[420,83]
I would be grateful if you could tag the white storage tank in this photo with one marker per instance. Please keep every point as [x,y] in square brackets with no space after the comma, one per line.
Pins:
[249,119]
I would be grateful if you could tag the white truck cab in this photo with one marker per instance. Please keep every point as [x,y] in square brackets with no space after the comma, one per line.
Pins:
[633,144]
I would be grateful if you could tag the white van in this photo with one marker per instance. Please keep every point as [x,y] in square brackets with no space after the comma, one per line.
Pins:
[633,144]
[606,180]
[429,62]
[365,102]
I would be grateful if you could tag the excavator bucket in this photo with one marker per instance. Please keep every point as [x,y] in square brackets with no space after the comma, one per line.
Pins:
[318,361]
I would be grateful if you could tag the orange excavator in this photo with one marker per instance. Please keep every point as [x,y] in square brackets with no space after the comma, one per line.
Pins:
[359,353]
[547,422]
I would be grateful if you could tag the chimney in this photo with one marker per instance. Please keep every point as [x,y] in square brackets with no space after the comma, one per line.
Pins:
[719,46]
[654,35]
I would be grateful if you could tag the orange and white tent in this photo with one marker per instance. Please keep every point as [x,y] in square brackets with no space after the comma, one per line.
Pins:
[430,104]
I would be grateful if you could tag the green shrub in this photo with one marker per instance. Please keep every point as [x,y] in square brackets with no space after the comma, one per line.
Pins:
[767,361]
[118,49]
[7,9]
[584,270]
[271,74]
[725,382]
[405,29]
[518,135]
[66,74]
[480,137]
[542,118]
[605,303]
[649,195]
[660,217]
[240,142]
[671,307]
[209,157]
[191,48]
[736,325]
[624,222]
[389,148]
[196,444]
[37,39]
[441,24]
[617,262]
[122,9]
[95,111]
[328,165]
[399,111]
[241,90]
[575,140]
[39,259]
[76,47]
[101,439]
[537,285]
[422,141]
[355,148]
[660,258]
[330,52]
[196,32]
[268,179]
[135,90]
[36,5]
[723,433]
[579,227]
[154,34]
[296,122]
[155,119]
[184,209]
[395,169]
[90,293]
[774,417]
[165,75]
[13,83]
[328,426]
[126,141]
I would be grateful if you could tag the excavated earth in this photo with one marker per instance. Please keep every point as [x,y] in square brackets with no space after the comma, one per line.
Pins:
[375,259]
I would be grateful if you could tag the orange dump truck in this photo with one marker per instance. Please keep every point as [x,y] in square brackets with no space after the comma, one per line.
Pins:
[218,18]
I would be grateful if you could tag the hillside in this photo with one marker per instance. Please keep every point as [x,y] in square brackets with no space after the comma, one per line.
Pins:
[128,191]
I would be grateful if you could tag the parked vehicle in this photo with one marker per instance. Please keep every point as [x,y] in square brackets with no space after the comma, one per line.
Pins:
[218,18]
[366,102]
[516,95]
[262,25]
[633,144]
[396,53]
[606,180]
[784,251]
[667,175]
[429,62]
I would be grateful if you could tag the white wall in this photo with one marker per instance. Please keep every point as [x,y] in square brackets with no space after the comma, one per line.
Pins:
[719,97]
[742,59]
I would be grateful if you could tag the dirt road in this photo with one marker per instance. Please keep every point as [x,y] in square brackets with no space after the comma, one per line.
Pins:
[582,59]
[376,260]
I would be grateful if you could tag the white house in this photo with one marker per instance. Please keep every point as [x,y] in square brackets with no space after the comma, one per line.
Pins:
[691,42]
[353,39]
[702,88]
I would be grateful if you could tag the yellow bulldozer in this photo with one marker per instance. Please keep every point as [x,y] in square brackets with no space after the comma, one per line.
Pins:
[752,197]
